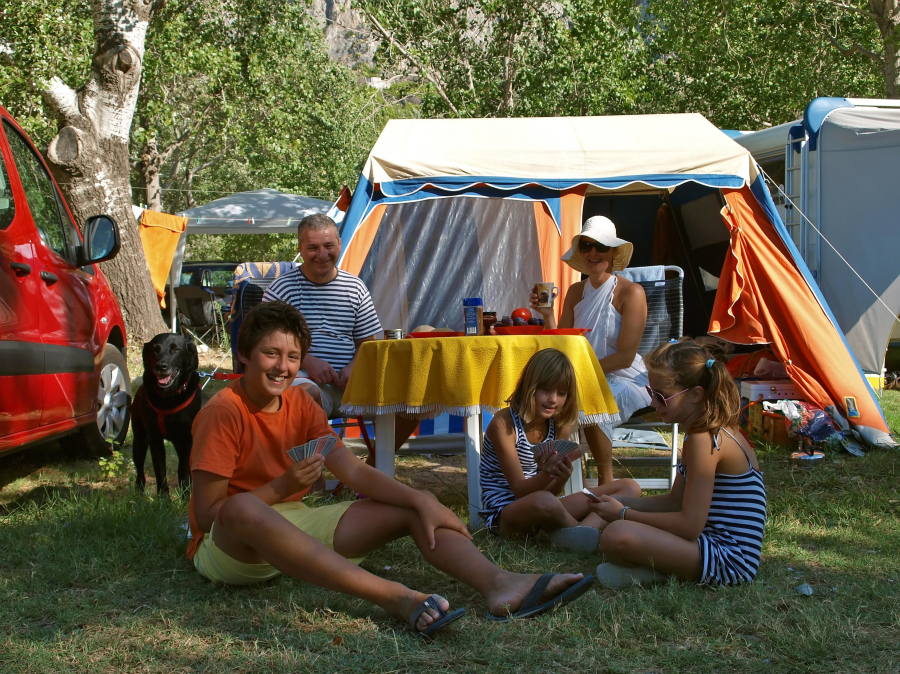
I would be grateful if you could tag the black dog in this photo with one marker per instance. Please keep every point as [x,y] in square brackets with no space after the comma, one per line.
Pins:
[164,407]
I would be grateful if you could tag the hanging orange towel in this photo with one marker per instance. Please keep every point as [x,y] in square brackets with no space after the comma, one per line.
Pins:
[159,236]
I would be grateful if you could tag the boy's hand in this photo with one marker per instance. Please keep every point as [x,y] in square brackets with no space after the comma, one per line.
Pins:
[609,508]
[303,474]
[435,515]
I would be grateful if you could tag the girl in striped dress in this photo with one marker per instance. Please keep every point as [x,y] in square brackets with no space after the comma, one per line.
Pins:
[709,528]
[519,492]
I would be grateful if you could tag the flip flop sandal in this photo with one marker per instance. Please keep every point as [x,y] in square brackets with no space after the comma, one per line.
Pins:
[433,602]
[530,606]
[575,539]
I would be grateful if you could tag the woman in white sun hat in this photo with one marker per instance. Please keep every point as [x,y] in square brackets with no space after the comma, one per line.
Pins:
[615,309]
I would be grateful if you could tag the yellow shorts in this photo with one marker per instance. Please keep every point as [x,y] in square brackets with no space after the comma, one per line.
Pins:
[320,523]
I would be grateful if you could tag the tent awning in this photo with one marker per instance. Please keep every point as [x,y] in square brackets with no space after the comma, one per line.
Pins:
[264,211]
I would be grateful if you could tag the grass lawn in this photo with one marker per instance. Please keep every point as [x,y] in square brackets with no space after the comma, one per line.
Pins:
[94,578]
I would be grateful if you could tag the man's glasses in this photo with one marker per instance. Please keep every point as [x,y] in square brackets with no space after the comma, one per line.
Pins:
[585,245]
[660,398]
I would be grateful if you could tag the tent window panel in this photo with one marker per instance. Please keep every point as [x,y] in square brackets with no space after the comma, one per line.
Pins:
[634,217]
[428,255]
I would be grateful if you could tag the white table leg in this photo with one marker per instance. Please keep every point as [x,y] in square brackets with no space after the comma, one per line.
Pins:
[473,468]
[384,444]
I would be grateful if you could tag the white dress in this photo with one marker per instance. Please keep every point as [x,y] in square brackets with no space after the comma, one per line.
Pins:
[596,311]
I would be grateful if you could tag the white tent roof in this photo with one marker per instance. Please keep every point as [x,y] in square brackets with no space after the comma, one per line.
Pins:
[265,211]
[546,148]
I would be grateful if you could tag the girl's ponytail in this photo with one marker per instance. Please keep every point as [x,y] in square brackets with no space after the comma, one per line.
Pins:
[686,364]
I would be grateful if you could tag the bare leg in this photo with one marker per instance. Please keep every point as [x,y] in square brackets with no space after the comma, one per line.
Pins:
[251,531]
[635,544]
[369,524]
[539,509]
[601,449]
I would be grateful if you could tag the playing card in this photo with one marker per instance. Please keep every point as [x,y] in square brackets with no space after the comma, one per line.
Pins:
[292,452]
[329,446]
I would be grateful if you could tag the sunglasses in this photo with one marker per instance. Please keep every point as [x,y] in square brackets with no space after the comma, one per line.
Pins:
[660,398]
[585,245]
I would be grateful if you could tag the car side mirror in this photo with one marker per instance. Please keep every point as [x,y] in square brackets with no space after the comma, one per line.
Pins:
[101,240]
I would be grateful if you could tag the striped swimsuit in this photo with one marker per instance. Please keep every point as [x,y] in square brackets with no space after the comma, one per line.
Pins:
[495,490]
[731,542]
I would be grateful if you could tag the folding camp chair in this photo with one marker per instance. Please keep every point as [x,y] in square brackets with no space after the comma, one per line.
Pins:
[665,310]
[197,314]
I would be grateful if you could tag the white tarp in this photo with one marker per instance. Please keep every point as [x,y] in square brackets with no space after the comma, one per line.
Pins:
[860,160]
[546,148]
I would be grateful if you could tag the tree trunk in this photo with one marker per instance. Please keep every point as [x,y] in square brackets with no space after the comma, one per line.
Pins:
[887,17]
[150,164]
[89,155]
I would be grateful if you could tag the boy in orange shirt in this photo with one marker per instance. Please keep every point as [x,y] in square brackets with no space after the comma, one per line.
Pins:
[248,522]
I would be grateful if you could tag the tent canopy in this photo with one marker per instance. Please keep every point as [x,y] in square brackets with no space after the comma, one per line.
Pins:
[447,209]
[552,150]
[264,211]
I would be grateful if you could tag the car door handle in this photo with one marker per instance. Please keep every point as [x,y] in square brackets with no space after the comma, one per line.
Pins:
[49,278]
[20,268]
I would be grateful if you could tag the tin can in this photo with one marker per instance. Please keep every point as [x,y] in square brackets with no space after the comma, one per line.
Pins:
[395,333]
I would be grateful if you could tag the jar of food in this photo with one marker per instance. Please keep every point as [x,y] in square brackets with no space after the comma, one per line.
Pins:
[473,311]
[488,319]
[394,333]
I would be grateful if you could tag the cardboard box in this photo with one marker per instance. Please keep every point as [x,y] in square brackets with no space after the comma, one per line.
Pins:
[770,389]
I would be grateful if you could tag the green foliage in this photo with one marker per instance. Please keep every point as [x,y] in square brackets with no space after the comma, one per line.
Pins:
[47,38]
[748,64]
[115,465]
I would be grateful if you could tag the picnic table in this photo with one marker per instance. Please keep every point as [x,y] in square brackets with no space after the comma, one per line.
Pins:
[461,376]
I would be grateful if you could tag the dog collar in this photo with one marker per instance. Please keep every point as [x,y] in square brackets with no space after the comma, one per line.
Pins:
[162,414]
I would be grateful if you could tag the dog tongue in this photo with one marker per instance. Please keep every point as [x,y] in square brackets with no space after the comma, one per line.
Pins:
[164,380]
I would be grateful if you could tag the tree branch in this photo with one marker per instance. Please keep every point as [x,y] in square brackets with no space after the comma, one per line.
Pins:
[61,99]
[422,68]
[856,49]
[851,8]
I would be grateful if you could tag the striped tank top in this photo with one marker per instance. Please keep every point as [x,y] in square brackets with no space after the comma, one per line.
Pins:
[731,541]
[496,493]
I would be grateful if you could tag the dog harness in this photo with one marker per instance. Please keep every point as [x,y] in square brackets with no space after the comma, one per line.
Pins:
[162,414]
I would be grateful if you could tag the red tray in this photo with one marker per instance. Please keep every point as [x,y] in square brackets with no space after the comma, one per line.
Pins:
[519,330]
[566,331]
[425,335]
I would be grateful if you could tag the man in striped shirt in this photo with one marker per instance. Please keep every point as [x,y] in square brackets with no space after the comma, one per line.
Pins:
[339,311]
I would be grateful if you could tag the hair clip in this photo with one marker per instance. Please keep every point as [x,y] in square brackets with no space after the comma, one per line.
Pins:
[673,341]
[710,363]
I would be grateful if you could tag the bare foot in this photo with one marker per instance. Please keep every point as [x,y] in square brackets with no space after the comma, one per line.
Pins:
[594,520]
[405,606]
[512,590]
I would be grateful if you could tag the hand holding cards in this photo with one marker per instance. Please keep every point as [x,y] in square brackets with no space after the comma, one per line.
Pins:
[322,446]
[564,449]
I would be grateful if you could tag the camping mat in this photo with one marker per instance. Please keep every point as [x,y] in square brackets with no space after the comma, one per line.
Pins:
[463,375]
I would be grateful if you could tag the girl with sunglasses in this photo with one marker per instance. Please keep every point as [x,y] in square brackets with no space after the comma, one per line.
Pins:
[519,491]
[709,528]
[615,310]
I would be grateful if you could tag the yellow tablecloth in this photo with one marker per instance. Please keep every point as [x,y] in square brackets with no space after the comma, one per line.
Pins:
[463,375]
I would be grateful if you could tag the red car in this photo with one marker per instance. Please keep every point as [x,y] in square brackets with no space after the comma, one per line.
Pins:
[62,338]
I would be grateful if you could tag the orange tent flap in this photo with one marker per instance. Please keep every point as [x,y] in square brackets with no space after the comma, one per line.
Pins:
[571,205]
[358,248]
[764,298]
[159,237]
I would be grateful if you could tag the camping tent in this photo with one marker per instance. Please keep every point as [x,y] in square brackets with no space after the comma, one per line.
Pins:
[452,208]
[265,211]
[838,165]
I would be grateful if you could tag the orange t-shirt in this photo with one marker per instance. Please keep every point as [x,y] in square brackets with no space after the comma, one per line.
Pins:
[235,439]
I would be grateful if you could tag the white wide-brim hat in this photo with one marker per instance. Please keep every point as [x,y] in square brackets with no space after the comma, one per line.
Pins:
[602,230]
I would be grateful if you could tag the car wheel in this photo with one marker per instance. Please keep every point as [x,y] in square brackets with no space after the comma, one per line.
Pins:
[113,409]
